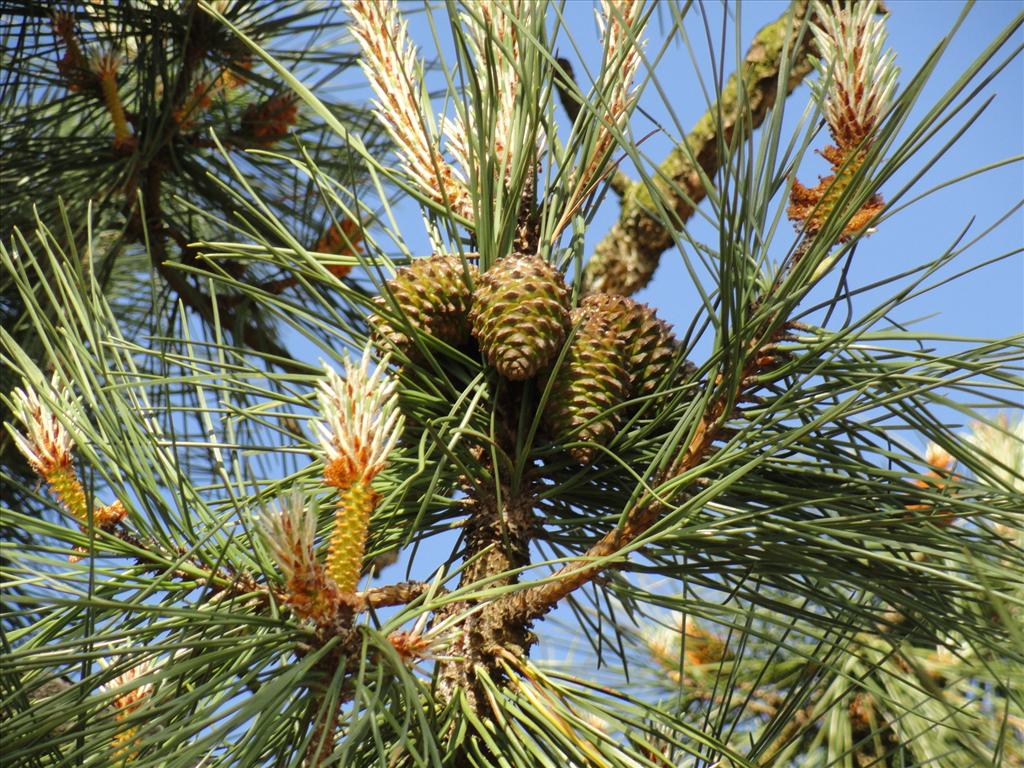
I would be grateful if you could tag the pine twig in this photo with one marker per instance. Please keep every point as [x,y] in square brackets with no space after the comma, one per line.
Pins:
[392,594]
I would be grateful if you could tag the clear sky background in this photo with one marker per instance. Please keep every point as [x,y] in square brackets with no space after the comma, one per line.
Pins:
[985,303]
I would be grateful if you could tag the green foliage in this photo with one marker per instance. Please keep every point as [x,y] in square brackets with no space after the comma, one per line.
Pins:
[137,205]
[758,566]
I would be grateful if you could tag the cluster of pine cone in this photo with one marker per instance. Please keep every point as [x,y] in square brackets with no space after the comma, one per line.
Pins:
[520,315]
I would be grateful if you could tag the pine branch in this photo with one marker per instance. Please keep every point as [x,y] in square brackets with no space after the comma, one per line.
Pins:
[625,260]
[497,545]
[780,505]
[392,594]
[537,601]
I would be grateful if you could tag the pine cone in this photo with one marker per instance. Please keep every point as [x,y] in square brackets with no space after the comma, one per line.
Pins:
[647,342]
[591,380]
[434,297]
[520,315]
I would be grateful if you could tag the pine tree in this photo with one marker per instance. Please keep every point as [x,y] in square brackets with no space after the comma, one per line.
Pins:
[759,569]
[127,117]
[114,120]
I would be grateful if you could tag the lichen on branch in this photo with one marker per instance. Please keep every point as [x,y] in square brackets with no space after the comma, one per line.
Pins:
[625,260]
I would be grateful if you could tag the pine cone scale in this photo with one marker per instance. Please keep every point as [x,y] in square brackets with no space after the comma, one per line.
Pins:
[520,315]
[434,298]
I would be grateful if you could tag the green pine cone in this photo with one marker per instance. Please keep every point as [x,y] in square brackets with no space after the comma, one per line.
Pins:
[434,297]
[591,380]
[647,341]
[520,315]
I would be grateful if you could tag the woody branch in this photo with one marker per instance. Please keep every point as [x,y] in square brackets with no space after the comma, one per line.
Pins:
[625,260]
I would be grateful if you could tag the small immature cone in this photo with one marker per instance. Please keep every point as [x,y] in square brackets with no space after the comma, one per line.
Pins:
[236,76]
[341,241]
[813,206]
[269,121]
[362,425]
[107,516]
[702,647]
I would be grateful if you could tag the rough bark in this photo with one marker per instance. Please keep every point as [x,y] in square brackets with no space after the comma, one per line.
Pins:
[497,542]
